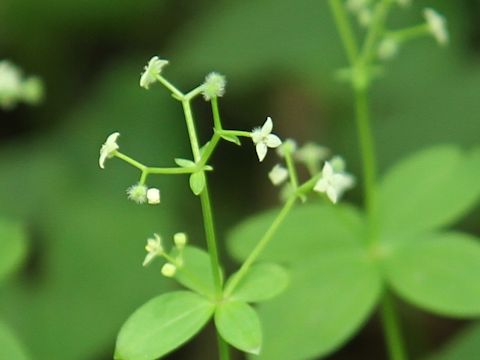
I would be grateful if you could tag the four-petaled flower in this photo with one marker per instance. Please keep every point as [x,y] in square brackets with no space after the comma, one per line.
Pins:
[437,25]
[333,183]
[151,71]
[278,174]
[264,139]
[108,149]
[154,249]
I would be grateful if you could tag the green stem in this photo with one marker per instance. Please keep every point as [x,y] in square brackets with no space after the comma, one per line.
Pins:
[264,241]
[129,160]
[206,205]
[216,114]
[235,132]
[170,171]
[375,31]
[409,33]
[223,350]
[367,151]
[291,168]
[194,92]
[207,153]
[391,328]
[177,93]
[344,29]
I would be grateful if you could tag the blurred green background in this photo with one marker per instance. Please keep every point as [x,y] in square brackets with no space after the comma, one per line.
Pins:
[82,273]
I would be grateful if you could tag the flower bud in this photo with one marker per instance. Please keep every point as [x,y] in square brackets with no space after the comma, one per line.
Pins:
[180,240]
[137,193]
[153,196]
[169,270]
[214,86]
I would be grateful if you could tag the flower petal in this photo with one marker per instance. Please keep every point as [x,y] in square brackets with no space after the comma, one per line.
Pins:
[261,150]
[267,126]
[273,141]
[327,170]
[332,194]
[321,186]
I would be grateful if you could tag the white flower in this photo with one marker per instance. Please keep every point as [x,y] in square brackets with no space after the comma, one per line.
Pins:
[264,139]
[214,86]
[311,153]
[332,183]
[10,84]
[108,149]
[387,48]
[180,240]
[153,196]
[169,270]
[152,70]
[437,25]
[137,193]
[278,174]
[154,249]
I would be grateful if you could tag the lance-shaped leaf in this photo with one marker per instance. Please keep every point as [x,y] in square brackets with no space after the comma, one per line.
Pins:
[197,182]
[162,324]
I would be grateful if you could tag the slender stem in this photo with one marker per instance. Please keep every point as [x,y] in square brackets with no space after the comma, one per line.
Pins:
[368,159]
[345,29]
[216,114]
[235,132]
[291,168]
[170,87]
[194,92]
[209,149]
[375,31]
[264,241]
[223,350]
[129,160]
[409,33]
[171,171]
[206,205]
[391,328]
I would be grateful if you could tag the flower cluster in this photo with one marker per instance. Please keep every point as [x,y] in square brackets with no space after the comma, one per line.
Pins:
[174,259]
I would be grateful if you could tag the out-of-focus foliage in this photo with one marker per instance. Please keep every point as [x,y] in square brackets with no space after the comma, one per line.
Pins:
[10,348]
[84,276]
[12,247]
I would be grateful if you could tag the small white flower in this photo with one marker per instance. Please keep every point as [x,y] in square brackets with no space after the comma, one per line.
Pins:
[154,249]
[332,183]
[387,48]
[180,240]
[311,153]
[278,175]
[169,270]
[151,71]
[437,25]
[108,149]
[137,193]
[10,84]
[153,196]
[264,139]
[214,86]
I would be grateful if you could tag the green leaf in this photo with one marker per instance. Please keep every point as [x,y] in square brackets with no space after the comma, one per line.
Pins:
[162,324]
[196,272]
[238,324]
[12,247]
[197,182]
[10,347]
[307,231]
[262,282]
[437,272]
[184,163]
[430,189]
[329,298]
[231,138]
